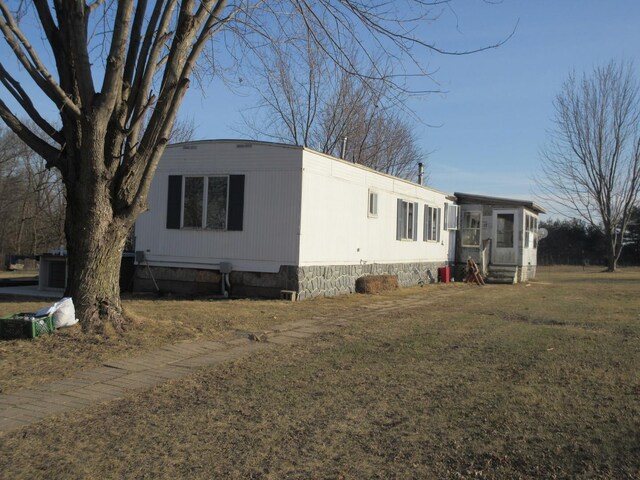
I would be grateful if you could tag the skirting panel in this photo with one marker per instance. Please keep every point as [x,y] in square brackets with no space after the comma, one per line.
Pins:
[307,282]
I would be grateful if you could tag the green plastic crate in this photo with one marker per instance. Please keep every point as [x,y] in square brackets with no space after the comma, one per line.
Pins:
[25,325]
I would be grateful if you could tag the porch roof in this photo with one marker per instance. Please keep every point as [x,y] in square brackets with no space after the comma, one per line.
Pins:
[466,198]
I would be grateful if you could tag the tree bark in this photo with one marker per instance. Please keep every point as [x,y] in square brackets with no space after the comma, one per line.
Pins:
[94,259]
[95,242]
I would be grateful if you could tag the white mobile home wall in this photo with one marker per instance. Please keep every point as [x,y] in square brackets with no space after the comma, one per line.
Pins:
[269,236]
[336,228]
[305,224]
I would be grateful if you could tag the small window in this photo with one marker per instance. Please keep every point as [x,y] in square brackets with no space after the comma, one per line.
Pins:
[471,229]
[373,204]
[504,230]
[407,224]
[432,217]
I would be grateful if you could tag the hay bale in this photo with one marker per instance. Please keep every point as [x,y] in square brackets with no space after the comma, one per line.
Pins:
[376,283]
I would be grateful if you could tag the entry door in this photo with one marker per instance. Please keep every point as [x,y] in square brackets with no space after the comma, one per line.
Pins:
[504,247]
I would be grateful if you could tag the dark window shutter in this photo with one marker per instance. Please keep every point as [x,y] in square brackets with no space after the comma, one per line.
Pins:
[236,203]
[399,222]
[415,221]
[174,201]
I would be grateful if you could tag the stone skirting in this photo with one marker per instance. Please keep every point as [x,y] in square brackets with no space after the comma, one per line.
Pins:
[331,280]
[308,282]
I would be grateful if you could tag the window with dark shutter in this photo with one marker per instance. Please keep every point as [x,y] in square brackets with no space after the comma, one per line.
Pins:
[236,203]
[174,201]
[211,203]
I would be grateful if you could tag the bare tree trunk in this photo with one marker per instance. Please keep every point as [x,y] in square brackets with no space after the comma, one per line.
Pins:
[612,260]
[95,242]
[95,255]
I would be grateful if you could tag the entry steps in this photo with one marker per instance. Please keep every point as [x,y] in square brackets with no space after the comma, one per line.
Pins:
[507,274]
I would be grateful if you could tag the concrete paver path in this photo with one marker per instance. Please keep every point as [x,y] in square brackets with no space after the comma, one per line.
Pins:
[119,378]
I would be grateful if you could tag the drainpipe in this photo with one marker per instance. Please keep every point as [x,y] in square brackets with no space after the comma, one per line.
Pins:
[225,284]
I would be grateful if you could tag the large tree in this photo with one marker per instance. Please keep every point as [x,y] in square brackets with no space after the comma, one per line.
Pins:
[591,166]
[116,73]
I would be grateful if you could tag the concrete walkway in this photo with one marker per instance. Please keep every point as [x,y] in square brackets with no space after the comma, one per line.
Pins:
[119,378]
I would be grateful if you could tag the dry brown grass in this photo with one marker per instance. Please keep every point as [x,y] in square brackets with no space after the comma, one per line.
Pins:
[155,322]
[537,381]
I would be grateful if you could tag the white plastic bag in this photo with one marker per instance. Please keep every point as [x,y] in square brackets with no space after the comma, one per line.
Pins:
[64,313]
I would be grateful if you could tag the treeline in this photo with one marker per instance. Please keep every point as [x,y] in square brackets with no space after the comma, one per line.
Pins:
[31,201]
[573,242]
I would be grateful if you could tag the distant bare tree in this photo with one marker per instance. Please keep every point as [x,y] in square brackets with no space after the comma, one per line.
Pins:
[31,200]
[592,164]
[306,102]
[183,131]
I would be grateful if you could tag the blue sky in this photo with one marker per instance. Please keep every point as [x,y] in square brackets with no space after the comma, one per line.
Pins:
[497,106]
[485,130]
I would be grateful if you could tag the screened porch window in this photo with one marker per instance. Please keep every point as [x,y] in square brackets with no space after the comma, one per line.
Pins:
[505,230]
[471,229]
[531,232]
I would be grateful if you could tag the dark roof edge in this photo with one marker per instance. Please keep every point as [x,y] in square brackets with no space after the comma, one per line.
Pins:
[241,141]
[471,197]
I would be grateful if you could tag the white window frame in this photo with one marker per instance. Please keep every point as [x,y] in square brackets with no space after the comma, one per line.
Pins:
[432,217]
[464,227]
[407,221]
[205,195]
[450,216]
[372,204]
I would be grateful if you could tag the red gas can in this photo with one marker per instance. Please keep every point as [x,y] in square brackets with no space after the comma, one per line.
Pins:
[444,274]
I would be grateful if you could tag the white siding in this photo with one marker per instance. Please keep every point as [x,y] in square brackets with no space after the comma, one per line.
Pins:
[271,208]
[335,228]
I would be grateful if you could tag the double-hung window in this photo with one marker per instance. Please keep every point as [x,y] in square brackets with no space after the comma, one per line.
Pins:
[432,217]
[471,229]
[407,223]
